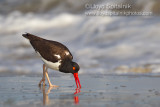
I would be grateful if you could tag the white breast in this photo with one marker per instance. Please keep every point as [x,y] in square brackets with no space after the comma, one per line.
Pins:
[50,64]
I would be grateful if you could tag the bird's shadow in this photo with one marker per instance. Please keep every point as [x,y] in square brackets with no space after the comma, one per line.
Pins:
[46,100]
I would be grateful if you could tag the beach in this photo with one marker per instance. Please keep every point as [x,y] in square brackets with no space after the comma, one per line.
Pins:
[97,90]
[118,54]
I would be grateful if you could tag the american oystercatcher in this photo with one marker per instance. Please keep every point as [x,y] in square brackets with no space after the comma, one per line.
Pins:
[55,56]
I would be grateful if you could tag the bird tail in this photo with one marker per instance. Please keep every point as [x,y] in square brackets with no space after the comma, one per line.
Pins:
[30,36]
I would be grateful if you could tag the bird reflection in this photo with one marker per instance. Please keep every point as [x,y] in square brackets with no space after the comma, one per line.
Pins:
[45,94]
[46,100]
[76,99]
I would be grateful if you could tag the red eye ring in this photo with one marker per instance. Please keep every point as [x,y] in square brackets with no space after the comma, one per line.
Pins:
[74,68]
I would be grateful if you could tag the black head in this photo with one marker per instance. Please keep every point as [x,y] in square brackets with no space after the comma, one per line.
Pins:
[69,67]
[75,67]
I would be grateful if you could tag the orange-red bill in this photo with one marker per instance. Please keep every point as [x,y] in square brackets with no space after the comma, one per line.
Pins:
[77,91]
[77,80]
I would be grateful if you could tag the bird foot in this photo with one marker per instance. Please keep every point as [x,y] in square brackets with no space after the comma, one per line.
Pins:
[55,86]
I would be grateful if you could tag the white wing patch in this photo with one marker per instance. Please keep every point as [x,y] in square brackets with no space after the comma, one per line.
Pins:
[50,64]
[66,52]
[58,56]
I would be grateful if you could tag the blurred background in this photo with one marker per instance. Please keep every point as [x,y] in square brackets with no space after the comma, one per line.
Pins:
[100,44]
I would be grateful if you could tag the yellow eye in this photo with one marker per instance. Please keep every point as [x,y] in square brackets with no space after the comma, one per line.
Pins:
[74,68]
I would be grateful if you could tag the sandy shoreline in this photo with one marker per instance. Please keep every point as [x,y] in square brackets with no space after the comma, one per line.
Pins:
[121,91]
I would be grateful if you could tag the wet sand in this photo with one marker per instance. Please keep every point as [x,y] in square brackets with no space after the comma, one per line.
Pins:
[97,90]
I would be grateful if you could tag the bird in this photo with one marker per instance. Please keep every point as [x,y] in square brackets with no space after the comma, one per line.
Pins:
[55,56]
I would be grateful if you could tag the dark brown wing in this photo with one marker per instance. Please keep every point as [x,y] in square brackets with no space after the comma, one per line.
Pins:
[48,50]
[61,50]
[44,50]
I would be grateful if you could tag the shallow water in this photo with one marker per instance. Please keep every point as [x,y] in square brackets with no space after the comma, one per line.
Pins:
[97,90]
